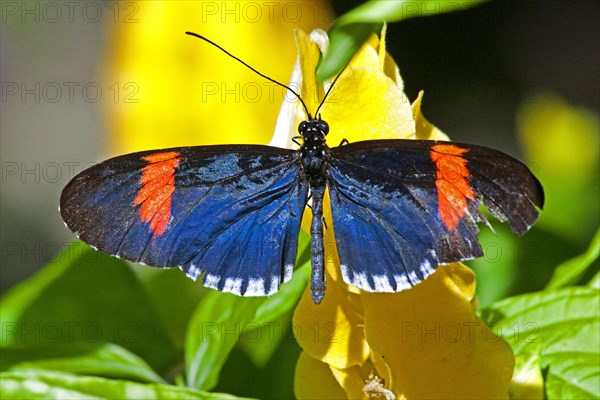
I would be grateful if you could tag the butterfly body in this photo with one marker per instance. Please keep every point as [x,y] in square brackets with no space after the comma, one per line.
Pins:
[314,153]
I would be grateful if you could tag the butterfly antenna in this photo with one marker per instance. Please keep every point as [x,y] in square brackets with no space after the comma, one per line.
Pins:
[254,70]
[329,90]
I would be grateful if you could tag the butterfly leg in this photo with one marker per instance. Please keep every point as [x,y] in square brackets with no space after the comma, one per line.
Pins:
[317,279]
[295,140]
[344,141]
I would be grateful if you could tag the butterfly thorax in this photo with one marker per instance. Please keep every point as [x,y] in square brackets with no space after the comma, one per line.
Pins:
[314,150]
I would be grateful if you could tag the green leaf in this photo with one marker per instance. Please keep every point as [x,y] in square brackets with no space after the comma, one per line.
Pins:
[563,326]
[270,323]
[174,311]
[527,381]
[100,359]
[214,329]
[352,29]
[344,41]
[40,384]
[570,271]
[595,281]
[273,380]
[86,296]
[573,364]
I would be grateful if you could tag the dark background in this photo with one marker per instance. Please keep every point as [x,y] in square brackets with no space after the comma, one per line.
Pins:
[478,64]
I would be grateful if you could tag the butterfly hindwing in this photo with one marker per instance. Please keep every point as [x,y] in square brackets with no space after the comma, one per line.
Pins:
[413,204]
[232,212]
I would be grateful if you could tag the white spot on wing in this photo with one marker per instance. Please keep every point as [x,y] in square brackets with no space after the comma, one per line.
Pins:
[233,285]
[414,279]
[192,271]
[361,281]
[382,283]
[287,272]
[402,282]
[212,281]
[256,287]
[358,280]
[345,276]
[274,285]
[426,268]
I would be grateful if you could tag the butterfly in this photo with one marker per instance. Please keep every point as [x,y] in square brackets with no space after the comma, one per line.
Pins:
[232,213]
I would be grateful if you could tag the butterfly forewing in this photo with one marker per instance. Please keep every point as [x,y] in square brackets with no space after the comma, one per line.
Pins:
[401,207]
[232,212]
[509,190]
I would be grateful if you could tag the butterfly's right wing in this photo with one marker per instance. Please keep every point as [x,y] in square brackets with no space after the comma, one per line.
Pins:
[402,207]
[233,212]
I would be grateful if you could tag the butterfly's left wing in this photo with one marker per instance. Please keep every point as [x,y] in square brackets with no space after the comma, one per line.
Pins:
[402,207]
[233,212]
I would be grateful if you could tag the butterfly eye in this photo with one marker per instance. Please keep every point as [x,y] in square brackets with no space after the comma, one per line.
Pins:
[323,127]
[302,127]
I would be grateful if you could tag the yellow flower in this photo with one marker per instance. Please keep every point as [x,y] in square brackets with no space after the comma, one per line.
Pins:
[425,342]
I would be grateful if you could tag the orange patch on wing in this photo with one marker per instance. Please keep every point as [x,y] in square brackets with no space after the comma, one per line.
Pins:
[452,184]
[158,185]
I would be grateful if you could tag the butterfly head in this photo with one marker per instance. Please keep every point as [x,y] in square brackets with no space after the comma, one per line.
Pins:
[313,128]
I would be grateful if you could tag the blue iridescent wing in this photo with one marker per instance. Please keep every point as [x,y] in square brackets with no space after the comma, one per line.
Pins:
[402,207]
[230,212]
